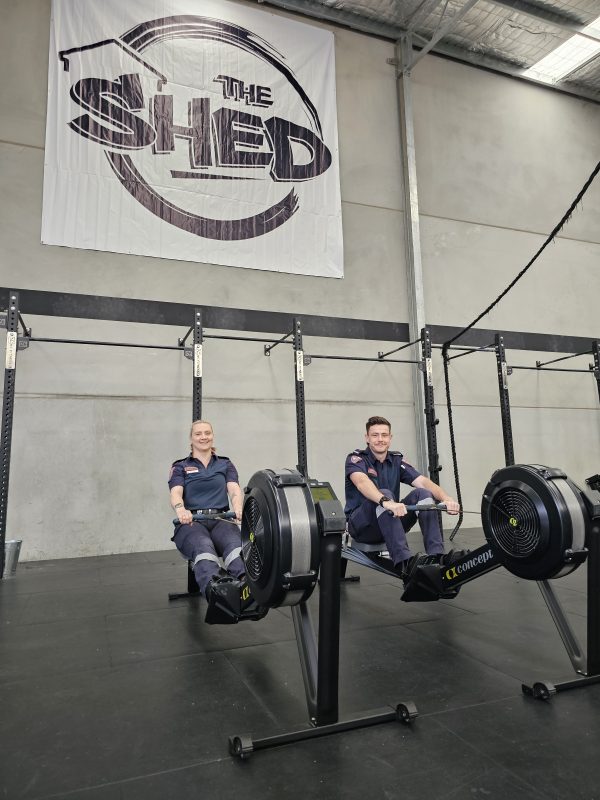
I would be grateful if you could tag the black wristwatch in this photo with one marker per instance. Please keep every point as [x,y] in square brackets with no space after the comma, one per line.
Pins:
[382,500]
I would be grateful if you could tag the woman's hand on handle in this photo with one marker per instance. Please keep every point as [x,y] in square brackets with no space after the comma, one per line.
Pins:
[184,516]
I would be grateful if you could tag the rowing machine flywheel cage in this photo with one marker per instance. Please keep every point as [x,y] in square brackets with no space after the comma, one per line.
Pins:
[536,521]
[280,538]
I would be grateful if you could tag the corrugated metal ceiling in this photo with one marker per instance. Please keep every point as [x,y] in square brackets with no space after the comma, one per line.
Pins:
[508,36]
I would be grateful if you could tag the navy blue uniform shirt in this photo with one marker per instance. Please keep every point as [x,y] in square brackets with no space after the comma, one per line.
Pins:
[204,487]
[387,474]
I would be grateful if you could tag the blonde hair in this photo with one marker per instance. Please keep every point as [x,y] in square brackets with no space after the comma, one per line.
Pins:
[204,422]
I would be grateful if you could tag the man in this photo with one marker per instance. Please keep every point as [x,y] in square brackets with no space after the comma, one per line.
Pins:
[373,507]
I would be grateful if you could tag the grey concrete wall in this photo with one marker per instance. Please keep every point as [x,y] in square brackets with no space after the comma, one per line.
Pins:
[498,161]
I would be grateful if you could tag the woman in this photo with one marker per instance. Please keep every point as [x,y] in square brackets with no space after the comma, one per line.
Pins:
[204,482]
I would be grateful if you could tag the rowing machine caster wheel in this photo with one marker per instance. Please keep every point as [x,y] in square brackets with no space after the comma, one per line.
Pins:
[540,690]
[241,746]
[406,712]
[543,691]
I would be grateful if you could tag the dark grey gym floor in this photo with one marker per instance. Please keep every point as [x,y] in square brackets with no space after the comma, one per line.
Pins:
[109,691]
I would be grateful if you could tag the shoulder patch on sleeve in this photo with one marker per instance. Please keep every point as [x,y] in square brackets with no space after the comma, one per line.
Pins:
[355,459]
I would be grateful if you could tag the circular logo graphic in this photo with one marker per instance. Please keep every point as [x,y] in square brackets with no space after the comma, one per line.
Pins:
[209,129]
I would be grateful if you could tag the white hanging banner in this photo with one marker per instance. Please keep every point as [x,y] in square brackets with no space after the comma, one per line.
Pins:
[196,131]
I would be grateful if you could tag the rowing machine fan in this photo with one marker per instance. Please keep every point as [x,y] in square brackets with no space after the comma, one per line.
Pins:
[280,538]
[536,521]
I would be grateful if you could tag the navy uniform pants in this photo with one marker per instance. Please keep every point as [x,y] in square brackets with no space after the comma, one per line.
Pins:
[372,523]
[203,543]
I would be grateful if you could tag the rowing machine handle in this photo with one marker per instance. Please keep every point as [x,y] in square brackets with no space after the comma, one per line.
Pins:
[200,517]
[429,507]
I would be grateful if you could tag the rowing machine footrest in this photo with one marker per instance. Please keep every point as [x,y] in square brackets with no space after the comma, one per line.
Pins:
[426,585]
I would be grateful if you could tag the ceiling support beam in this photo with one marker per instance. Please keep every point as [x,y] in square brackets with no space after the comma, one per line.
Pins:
[441,31]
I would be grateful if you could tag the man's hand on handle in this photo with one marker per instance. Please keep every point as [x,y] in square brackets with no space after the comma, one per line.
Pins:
[452,506]
[395,509]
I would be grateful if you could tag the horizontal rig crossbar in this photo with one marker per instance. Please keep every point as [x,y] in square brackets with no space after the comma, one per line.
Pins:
[365,358]
[554,369]
[241,338]
[106,344]
[147,346]
[488,348]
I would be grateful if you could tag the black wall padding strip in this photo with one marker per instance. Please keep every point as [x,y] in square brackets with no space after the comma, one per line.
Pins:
[514,340]
[155,312]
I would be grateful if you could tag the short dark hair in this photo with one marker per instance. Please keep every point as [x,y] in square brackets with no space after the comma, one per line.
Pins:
[378,421]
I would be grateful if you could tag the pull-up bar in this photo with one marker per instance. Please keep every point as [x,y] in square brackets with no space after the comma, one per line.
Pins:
[461,347]
[178,347]
[103,344]
[239,338]
[556,369]
[487,348]
[364,358]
